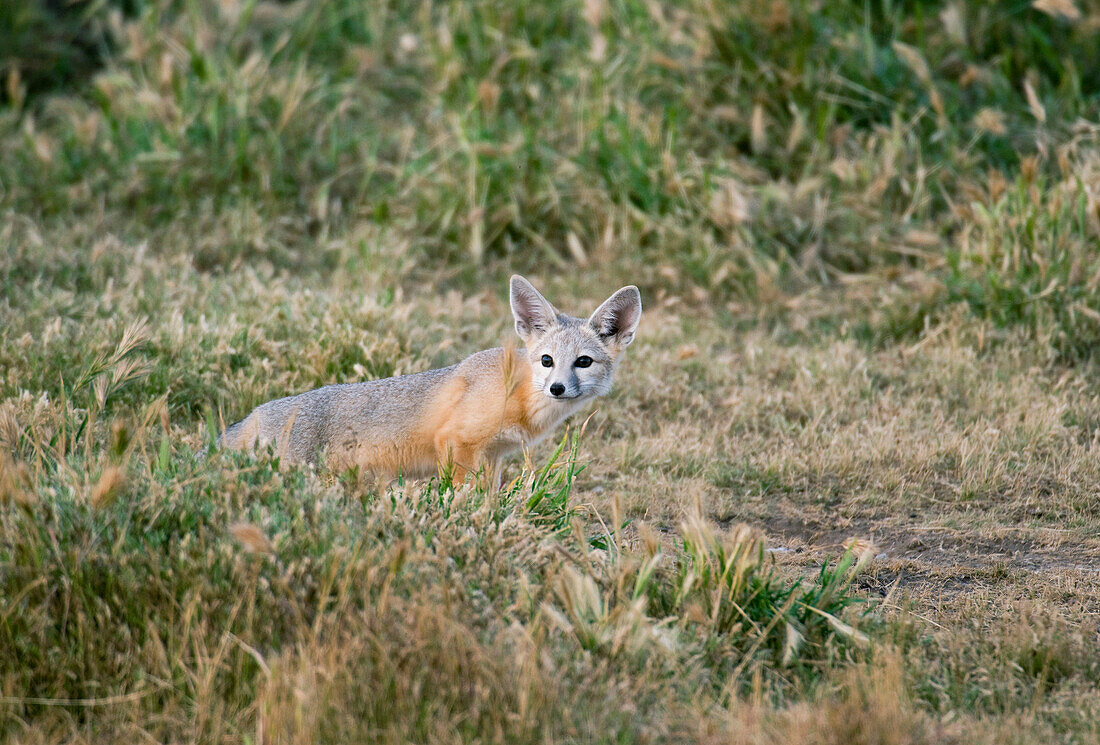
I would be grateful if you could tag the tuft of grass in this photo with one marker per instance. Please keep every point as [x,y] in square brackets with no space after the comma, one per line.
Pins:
[1028,260]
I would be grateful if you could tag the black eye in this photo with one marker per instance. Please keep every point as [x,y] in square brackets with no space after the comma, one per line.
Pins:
[583,361]
[547,361]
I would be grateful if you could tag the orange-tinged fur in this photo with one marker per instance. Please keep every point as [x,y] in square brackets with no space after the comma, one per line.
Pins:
[468,424]
[467,419]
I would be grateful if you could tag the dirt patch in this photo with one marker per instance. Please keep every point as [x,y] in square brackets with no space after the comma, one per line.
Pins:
[937,547]
[884,581]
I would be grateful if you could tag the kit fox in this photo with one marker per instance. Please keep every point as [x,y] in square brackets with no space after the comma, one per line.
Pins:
[463,418]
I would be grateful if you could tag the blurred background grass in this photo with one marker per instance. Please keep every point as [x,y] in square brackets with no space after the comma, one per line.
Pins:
[903,157]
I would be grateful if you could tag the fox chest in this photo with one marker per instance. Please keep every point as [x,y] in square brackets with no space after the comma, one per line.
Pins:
[508,440]
[513,437]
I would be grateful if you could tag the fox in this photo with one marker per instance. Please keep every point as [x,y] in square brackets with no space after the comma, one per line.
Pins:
[458,420]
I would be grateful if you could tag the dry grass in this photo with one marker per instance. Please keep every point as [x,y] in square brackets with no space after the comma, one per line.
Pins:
[865,237]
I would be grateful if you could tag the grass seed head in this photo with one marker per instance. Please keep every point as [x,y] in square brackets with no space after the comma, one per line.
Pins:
[252,538]
[107,489]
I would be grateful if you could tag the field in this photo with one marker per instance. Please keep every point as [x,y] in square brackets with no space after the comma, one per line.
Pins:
[846,488]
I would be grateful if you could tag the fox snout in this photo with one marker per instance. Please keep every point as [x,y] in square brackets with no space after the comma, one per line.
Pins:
[562,380]
[563,390]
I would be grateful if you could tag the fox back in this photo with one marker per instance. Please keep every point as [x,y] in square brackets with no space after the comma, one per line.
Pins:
[461,418]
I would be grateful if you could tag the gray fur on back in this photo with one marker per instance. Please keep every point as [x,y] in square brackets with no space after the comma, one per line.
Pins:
[335,415]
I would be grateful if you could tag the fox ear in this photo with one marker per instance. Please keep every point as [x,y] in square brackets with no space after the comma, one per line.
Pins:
[533,313]
[617,319]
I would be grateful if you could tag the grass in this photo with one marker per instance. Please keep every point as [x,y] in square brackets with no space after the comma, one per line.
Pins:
[189,601]
[844,490]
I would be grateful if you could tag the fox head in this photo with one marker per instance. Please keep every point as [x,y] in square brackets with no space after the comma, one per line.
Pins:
[573,358]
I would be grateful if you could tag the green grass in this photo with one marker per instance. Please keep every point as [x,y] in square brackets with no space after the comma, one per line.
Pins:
[865,236]
[167,585]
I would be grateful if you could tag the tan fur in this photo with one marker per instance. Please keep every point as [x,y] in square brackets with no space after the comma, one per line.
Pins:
[462,419]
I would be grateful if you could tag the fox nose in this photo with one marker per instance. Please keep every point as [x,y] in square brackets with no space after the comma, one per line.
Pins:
[557,389]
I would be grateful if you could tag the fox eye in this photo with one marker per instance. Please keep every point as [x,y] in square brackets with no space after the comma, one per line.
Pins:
[547,361]
[583,361]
